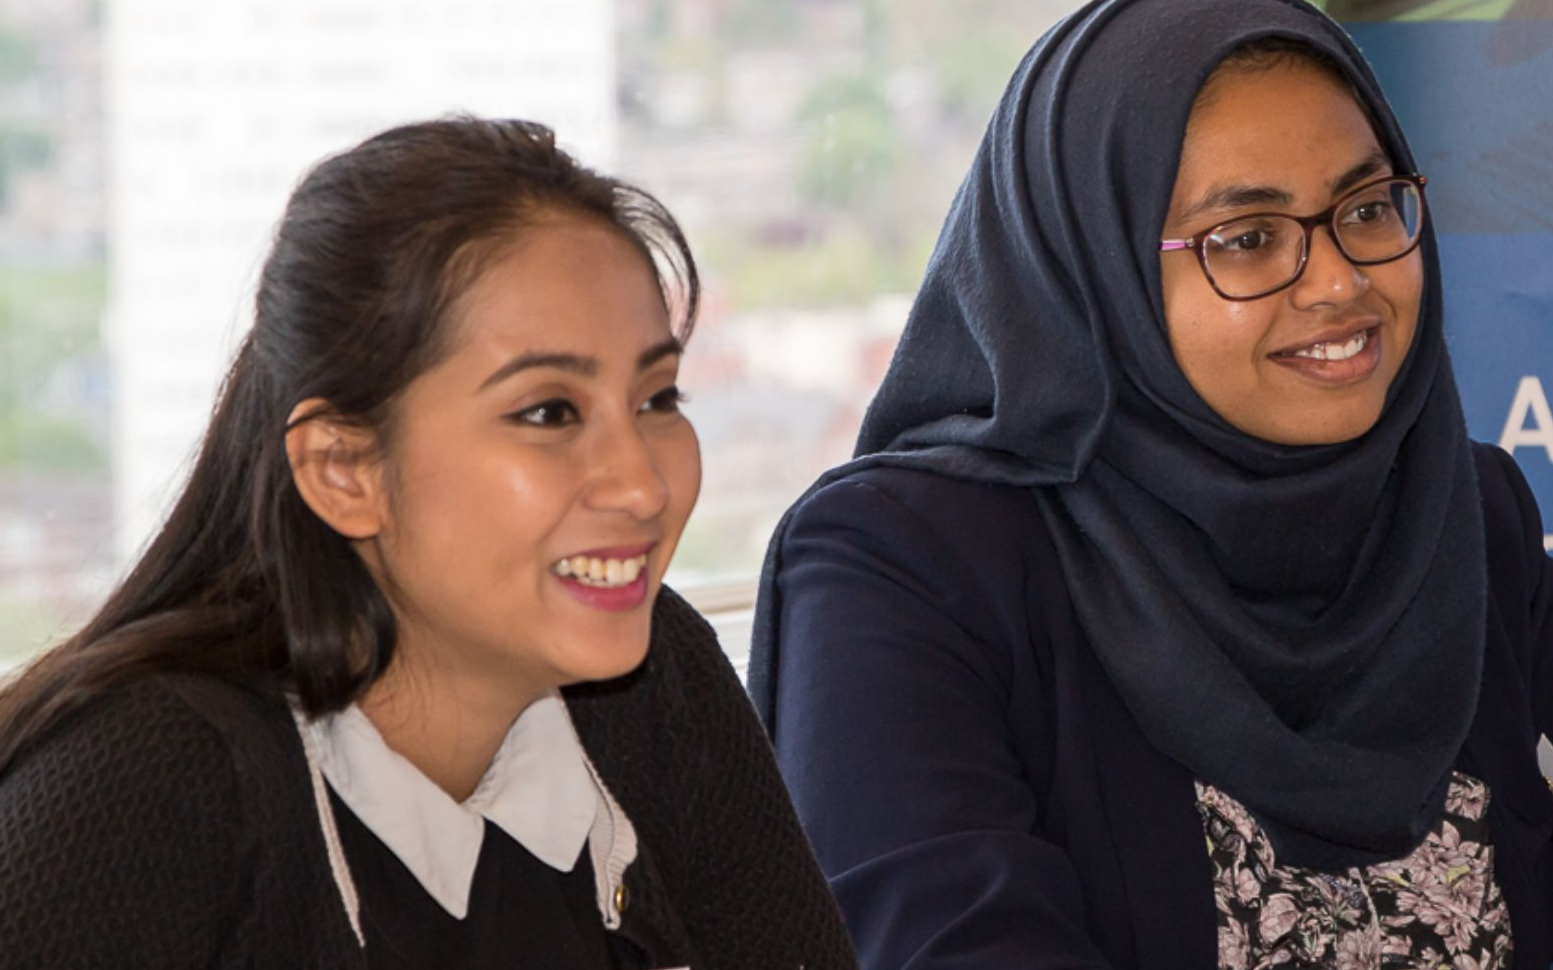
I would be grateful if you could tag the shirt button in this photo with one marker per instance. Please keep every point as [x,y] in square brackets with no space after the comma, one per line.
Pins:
[622,898]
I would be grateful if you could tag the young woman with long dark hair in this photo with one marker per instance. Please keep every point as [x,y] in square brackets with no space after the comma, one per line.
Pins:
[398,684]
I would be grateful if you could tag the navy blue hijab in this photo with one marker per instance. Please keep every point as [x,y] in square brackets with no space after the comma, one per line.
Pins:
[1302,627]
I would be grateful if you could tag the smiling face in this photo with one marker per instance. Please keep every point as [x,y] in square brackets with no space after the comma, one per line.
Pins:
[538,478]
[1309,364]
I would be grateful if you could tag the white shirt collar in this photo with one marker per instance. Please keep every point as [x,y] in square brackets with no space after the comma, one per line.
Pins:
[540,789]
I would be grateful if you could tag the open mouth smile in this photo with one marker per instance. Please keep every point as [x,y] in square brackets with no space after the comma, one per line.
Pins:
[601,572]
[1336,350]
[1336,359]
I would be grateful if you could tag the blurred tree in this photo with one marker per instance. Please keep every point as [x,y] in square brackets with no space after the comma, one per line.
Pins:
[759,23]
[853,146]
[18,56]
[846,265]
[1361,11]
[41,441]
[21,148]
[973,65]
[26,626]
[971,45]
[48,319]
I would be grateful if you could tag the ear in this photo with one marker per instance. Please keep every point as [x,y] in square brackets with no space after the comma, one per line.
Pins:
[336,468]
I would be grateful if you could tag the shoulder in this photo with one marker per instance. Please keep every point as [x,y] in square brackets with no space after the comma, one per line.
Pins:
[1508,503]
[977,553]
[142,731]
[1512,523]
[155,748]
[123,818]
[934,498]
[158,737]
[913,516]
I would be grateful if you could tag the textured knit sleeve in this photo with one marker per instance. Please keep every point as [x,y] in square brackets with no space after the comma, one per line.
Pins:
[754,894]
[900,643]
[115,841]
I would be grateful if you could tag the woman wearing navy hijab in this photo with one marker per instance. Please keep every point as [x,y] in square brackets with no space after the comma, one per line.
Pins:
[1167,617]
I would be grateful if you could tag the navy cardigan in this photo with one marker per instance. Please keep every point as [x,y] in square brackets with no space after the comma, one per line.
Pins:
[976,792]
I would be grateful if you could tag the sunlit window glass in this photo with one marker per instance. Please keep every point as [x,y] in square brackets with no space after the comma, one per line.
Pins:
[810,147]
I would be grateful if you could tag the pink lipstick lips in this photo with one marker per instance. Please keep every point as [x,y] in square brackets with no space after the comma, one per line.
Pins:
[613,579]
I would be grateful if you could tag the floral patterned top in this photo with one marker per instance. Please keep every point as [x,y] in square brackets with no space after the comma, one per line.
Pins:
[1437,908]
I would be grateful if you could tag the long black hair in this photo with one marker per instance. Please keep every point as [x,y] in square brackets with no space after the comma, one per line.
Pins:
[243,581]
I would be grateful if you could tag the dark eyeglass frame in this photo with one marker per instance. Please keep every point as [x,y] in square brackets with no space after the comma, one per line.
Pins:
[1326,217]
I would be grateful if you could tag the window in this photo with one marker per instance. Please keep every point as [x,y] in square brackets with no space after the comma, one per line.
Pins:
[810,147]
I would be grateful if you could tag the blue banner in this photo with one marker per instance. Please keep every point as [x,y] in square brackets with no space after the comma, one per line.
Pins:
[1476,99]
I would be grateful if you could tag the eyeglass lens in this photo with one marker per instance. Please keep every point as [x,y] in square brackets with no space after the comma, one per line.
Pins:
[1258,254]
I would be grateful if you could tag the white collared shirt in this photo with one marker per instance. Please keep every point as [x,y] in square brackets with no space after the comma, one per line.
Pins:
[541,789]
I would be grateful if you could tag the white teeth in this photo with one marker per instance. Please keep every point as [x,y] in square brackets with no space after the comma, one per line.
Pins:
[1342,351]
[602,573]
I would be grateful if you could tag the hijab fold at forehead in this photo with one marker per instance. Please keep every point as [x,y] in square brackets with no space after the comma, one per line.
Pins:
[1300,626]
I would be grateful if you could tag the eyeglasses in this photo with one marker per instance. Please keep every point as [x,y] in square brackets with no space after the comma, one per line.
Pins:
[1250,257]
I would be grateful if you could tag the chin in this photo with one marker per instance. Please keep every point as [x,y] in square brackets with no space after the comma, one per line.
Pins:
[1334,432]
[593,662]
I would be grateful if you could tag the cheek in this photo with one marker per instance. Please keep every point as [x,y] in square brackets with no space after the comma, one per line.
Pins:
[1187,310]
[679,461]
[1212,339]
[1406,293]
[480,509]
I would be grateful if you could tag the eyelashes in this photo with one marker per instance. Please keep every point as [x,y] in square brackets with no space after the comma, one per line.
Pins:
[554,413]
[667,401]
[559,412]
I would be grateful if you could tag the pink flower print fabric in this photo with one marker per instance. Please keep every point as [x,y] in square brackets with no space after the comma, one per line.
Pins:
[1438,908]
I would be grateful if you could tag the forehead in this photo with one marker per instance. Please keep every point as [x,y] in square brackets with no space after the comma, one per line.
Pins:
[1289,125]
[566,283]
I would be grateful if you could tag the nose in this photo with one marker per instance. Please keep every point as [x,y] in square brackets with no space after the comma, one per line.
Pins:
[1329,279]
[624,474]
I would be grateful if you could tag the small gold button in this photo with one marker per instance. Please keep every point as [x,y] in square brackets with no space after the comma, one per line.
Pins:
[622,898]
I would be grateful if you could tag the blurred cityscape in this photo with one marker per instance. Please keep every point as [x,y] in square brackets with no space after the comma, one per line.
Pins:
[810,147]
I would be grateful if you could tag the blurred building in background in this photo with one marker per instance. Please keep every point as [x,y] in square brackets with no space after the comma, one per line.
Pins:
[55,402]
[810,147]
[214,111]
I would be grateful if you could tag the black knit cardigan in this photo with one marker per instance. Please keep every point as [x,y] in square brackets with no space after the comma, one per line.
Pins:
[173,824]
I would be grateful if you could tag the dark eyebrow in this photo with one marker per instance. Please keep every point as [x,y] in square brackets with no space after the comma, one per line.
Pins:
[1376,164]
[1245,196]
[1237,197]
[586,366]
[574,363]
[658,351]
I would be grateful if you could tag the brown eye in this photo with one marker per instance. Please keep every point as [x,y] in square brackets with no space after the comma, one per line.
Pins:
[1245,241]
[555,413]
[666,401]
[1375,212]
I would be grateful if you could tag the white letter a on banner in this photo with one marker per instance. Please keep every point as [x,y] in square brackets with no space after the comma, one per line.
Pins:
[1529,397]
